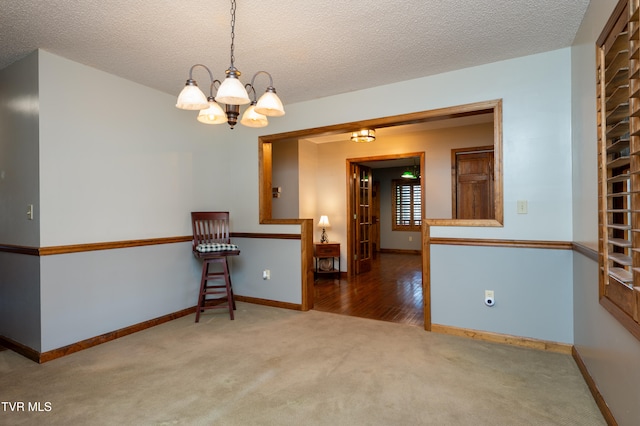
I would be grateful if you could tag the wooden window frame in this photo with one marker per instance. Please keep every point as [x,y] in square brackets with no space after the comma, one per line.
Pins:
[412,226]
[618,107]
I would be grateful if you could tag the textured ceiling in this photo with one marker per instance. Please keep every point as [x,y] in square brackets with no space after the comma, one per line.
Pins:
[312,48]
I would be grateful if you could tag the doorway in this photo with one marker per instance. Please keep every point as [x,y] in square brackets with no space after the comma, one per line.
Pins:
[472,182]
[361,232]
[488,112]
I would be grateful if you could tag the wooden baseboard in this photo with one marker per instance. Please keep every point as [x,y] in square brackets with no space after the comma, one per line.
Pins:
[487,336]
[41,357]
[399,251]
[23,350]
[597,396]
[267,302]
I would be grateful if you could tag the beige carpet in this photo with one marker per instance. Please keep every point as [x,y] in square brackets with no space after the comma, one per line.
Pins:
[279,367]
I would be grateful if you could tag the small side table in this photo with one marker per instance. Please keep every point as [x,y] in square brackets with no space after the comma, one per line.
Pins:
[325,256]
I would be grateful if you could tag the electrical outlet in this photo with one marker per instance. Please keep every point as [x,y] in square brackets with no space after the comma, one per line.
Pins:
[410,238]
[489,298]
[266,274]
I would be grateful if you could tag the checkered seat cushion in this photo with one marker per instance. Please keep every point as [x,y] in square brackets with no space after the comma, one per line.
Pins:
[213,247]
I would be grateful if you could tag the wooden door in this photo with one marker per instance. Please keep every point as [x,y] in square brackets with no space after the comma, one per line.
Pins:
[375,219]
[362,217]
[473,195]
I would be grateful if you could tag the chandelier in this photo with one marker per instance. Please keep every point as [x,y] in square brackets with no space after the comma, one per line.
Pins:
[231,93]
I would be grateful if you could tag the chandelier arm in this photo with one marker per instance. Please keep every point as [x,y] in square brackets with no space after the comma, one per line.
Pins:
[253,79]
[203,66]
[250,87]
[213,82]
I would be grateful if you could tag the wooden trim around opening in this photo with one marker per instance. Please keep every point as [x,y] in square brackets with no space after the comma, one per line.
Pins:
[487,336]
[265,169]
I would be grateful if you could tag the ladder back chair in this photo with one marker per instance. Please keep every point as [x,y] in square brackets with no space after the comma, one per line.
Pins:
[212,244]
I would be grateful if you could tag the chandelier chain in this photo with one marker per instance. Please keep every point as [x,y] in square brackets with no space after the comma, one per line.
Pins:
[233,31]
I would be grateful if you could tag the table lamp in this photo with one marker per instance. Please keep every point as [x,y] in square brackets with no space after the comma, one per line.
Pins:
[324,223]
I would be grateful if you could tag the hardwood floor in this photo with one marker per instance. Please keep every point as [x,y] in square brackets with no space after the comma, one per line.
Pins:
[391,291]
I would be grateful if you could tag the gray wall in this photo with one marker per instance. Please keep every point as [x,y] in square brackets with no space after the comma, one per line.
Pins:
[608,350]
[533,291]
[280,256]
[285,176]
[19,187]
[110,171]
[91,293]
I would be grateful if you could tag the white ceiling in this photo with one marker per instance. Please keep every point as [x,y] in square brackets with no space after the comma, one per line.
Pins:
[312,48]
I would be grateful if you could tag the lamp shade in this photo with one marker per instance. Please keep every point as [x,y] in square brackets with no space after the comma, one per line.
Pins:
[191,97]
[324,222]
[212,115]
[251,118]
[232,92]
[410,174]
[270,104]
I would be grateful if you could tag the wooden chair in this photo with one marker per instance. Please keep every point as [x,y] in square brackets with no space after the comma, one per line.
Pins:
[212,244]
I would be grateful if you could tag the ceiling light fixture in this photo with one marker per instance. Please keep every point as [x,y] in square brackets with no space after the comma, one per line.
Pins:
[364,135]
[409,174]
[232,93]
[412,173]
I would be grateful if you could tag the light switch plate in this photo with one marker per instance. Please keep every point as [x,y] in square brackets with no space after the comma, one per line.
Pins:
[522,207]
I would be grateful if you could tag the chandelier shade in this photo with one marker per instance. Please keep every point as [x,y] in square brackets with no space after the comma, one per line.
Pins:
[191,97]
[232,93]
[251,118]
[212,115]
[270,104]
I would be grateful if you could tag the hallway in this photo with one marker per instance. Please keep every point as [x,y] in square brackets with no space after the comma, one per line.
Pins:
[391,291]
